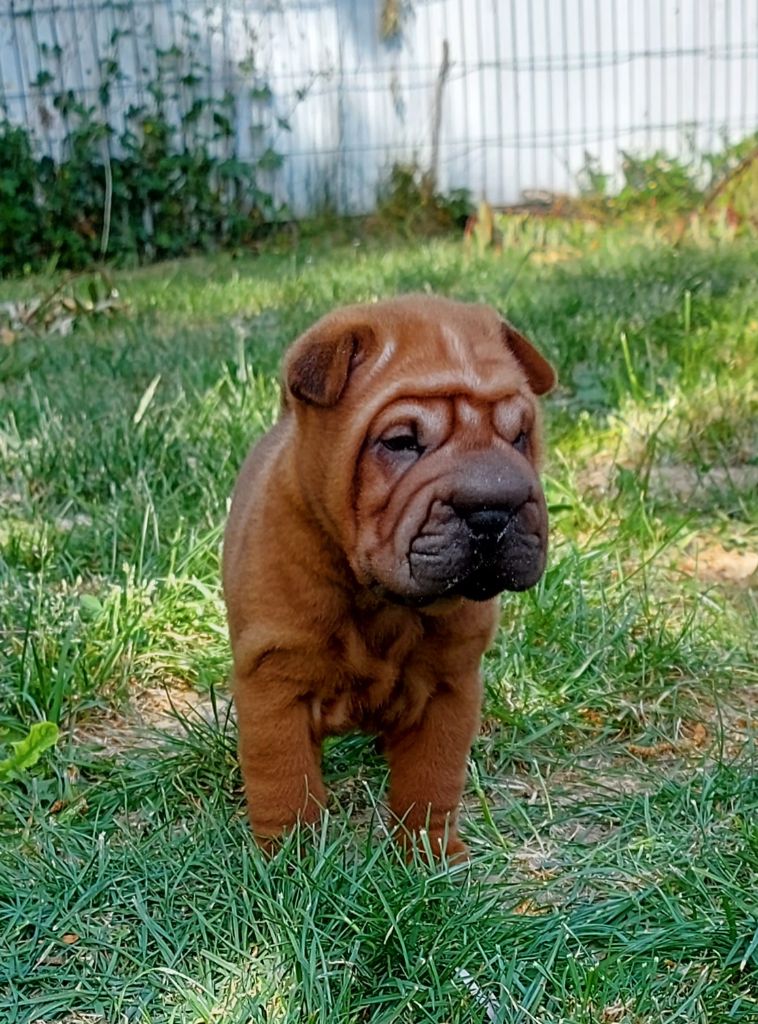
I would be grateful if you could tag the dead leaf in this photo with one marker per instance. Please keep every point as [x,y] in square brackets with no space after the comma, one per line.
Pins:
[613,1013]
[649,752]
[545,874]
[69,938]
[50,961]
[60,310]
[481,231]
[528,908]
[547,257]
[715,564]
[699,735]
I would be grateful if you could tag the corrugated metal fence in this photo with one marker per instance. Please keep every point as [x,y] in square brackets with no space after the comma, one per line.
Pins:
[501,95]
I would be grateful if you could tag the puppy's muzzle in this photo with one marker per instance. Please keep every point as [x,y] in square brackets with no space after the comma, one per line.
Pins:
[486,535]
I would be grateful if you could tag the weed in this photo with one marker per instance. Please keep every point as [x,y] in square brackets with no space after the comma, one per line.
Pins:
[409,204]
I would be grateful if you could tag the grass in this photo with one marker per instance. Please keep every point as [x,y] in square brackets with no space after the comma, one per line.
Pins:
[613,797]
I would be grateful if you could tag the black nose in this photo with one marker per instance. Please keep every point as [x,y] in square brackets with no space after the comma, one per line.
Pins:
[486,523]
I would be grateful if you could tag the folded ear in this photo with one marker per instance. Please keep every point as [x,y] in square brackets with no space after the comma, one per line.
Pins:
[319,363]
[539,372]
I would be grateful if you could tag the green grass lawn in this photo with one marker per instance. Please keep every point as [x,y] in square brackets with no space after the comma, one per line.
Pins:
[612,806]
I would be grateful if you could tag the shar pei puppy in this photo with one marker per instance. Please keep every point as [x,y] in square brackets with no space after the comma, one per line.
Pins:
[370,532]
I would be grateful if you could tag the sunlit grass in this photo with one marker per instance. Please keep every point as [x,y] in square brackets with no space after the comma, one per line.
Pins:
[612,801]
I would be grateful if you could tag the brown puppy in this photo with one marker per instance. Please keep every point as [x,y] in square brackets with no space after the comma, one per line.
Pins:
[370,532]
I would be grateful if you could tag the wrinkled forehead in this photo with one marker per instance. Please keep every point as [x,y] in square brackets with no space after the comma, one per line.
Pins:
[447,351]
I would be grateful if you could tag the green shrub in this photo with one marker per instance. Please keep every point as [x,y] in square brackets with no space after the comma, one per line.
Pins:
[21,215]
[667,185]
[162,187]
[409,202]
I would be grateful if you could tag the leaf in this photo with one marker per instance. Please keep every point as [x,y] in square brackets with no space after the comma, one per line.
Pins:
[647,753]
[89,607]
[144,402]
[270,160]
[717,564]
[27,752]
[44,78]
[261,94]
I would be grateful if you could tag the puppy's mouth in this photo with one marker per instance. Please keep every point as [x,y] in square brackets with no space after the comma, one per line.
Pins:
[478,556]
[467,552]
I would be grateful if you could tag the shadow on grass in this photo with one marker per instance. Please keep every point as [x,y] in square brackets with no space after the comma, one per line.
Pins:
[144,898]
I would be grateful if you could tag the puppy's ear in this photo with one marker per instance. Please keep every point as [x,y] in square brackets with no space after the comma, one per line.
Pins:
[539,372]
[318,365]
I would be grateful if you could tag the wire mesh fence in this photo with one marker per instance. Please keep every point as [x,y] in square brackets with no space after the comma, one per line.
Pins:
[502,97]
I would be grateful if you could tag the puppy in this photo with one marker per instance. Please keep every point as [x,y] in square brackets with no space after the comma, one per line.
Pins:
[370,532]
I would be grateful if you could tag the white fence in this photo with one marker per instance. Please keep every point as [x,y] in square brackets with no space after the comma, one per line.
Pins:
[529,88]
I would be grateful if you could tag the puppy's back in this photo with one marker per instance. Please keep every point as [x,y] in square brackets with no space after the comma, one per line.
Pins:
[252,487]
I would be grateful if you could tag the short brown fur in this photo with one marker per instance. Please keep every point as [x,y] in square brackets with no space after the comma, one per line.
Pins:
[330,628]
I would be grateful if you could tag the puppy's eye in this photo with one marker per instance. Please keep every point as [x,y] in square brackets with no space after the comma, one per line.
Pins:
[402,443]
[521,442]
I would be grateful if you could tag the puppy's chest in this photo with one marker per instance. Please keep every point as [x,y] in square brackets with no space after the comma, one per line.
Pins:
[368,689]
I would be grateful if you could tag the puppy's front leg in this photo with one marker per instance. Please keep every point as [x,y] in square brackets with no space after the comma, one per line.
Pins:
[279,756]
[428,766]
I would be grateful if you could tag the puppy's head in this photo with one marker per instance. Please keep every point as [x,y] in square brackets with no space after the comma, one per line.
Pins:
[419,446]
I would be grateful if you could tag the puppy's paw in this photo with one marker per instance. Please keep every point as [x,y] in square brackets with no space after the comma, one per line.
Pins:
[270,832]
[455,850]
[444,846]
[433,847]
